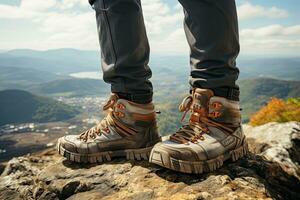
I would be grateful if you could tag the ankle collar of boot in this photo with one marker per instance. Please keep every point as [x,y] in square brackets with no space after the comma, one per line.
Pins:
[224,111]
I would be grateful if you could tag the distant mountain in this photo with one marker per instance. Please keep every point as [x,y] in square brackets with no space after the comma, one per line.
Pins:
[279,68]
[72,87]
[81,56]
[286,68]
[66,61]
[17,106]
[21,78]
[62,61]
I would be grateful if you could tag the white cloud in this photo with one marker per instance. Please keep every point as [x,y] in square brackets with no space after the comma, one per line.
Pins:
[66,25]
[28,9]
[71,23]
[271,39]
[63,23]
[164,27]
[248,11]
[70,30]
[68,4]
[15,12]
[175,42]
[36,5]
[271,30]
[159,17]
[269,46]
[32,9]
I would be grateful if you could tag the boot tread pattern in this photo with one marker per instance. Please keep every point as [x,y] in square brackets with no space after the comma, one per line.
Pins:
[197,167]
[130,154]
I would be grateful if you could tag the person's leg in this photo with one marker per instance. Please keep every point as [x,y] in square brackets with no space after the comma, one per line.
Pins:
[129,128]
[124,48]
[213,133]
[211,28]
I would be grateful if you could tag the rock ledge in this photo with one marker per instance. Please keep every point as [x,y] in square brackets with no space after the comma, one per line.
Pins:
[48,176]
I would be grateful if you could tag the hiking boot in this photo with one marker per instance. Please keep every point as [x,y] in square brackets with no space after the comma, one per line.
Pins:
[128,130]
[212,135]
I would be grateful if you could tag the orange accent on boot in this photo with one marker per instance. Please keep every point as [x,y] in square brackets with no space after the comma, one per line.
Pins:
[216,105]
[215,114]
[121,106]
[144,117]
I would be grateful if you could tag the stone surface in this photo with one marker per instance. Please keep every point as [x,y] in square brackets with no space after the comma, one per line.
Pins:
[48,176]
[278,142]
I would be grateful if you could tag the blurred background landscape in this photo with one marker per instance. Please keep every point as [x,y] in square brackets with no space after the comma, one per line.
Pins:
[50,74]
[46,94]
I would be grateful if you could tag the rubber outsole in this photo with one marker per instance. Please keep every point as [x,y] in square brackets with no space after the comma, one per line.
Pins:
[130,154]
[164,160]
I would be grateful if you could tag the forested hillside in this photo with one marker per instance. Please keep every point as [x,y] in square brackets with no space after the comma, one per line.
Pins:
[17,106]
[257,92]
[71,87]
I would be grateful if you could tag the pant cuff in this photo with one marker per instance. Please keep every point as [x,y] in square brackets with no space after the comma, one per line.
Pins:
[137,98]
[226,92]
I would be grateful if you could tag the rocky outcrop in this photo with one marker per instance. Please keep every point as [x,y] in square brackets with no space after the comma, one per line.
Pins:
[277,142]
[49,176]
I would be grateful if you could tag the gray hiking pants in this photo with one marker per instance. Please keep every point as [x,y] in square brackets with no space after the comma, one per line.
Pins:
[211,29]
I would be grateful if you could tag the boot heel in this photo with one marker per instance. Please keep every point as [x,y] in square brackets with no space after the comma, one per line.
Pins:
[239,152]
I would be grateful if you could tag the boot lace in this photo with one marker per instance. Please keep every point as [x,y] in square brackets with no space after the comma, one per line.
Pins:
[194,130]
[109,121]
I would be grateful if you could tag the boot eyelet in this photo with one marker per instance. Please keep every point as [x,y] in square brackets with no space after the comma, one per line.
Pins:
[215,114]
[217,105]
[195,141]
[107,130]
[121,106]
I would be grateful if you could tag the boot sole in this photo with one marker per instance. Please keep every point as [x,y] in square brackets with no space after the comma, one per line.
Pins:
[164,160]
[130,154]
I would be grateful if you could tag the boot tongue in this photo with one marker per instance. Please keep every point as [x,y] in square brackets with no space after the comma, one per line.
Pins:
[200,106]
[111,101]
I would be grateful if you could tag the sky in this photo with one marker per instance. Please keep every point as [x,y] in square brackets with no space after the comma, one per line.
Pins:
[267,27]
